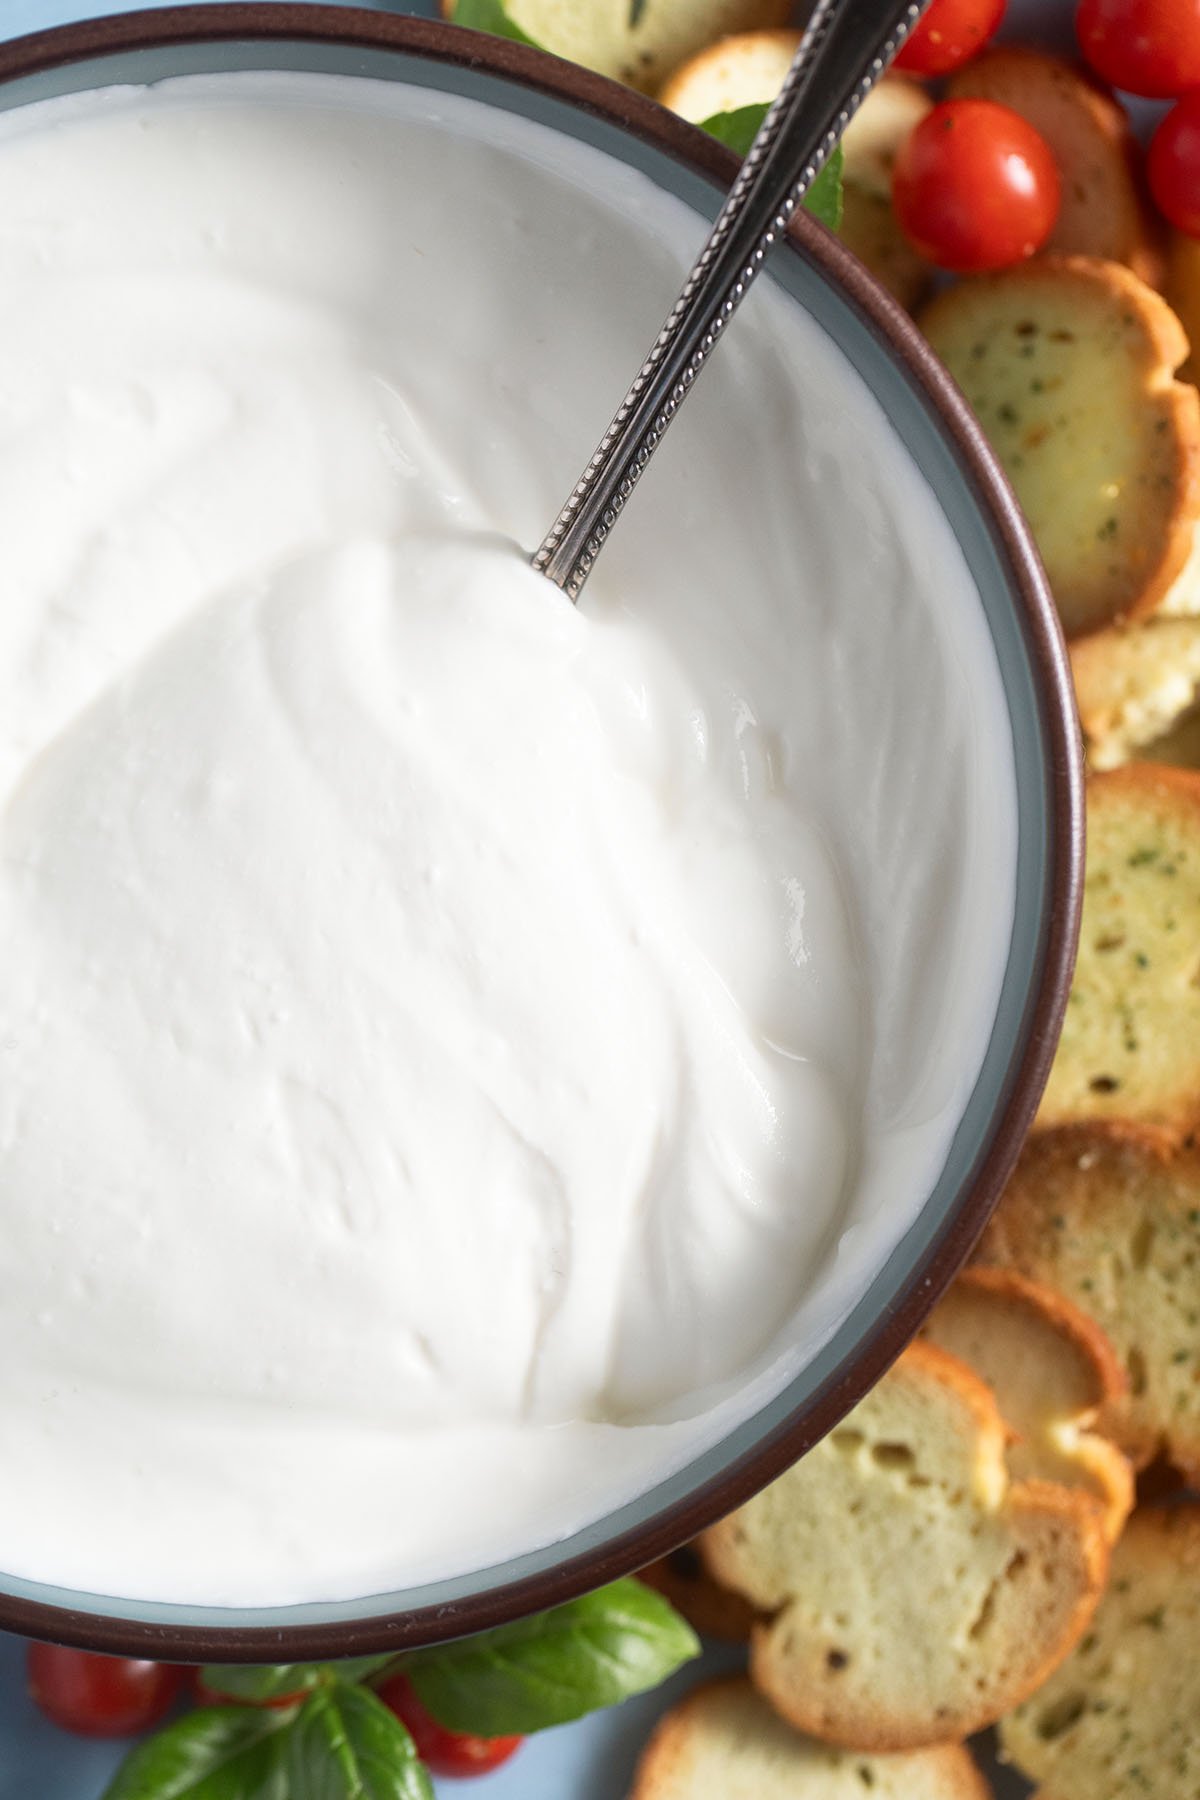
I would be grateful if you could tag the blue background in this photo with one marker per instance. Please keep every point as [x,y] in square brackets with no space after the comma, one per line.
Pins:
[593,1760]
[589,1761]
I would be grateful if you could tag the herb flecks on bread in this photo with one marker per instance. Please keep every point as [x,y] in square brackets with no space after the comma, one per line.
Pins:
[1110,1216]
[1069,364]
[916,1593]
[1120,1720]
[1051,1370]
[869,225]
[1130,1046]
[724,1742]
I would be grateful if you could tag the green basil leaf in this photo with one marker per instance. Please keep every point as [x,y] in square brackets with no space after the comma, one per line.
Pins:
[218,1753]
[257,1684]
[359,1668]
[556,1666]
[346,1745]
[738,131]
[278,1681]
[491,15]
[824,198]
[637,12]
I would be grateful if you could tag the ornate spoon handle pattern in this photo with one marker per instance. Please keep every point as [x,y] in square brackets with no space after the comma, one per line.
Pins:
[846,47]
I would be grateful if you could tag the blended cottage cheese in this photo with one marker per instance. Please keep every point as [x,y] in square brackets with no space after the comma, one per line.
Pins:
[458,1053]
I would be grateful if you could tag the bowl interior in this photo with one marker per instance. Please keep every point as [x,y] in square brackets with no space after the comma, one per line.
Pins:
[930,421]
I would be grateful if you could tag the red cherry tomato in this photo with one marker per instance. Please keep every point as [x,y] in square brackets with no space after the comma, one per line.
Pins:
[100,1696]
[1173,165]
[445,1752]
[949,33]
[1147,47]
[975,187]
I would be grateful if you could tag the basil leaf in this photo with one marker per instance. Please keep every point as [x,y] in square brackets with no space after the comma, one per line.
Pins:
[359,1668]
[346,1745]
[218,1753]
[637,12]
[738,131]
[491,15]
[557,1666]
[258,1684]
[278,1681]
[824,198]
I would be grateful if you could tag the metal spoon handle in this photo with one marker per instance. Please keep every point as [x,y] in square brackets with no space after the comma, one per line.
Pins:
[846,47]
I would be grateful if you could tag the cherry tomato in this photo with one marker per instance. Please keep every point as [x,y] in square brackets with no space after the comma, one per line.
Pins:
[1173,165]
[975,187]
[949,33]
[100,1696]
[1147,47]
[445,1752]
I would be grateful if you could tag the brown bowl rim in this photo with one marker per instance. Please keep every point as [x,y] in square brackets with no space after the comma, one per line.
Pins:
[701,154]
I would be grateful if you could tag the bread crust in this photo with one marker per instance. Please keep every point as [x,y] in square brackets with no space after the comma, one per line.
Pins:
[1183,292]
[745,69]
[1069,362]
[879,1640]
[724,1739]
[710,1609]
[1122,1715]
[1109,1213]
[1130,1044]
[1133,682]
[1051,1370]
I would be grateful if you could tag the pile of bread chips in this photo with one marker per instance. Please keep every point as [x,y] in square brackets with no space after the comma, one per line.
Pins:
[1002,1533]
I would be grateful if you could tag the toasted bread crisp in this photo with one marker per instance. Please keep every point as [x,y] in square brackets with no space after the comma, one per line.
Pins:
[1110,1216]
[745,70]
[1181,746]
[1051,1371]
[1130,1047]
[725,1743]
[709,1609]
[1133,683]
[1121,1719]
[869,226]
[750,69]
[1069,365]
[1104,209]
[916,1593]
[1183,291]
[639,45]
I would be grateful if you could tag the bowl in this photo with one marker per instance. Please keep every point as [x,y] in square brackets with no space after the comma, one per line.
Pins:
[940,435]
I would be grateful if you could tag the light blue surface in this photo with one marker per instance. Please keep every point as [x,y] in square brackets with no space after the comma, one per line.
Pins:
[589,1761]
[20,16]
[593,1760]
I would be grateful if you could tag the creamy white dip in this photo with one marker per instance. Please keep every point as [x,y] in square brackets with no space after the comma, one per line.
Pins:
[457,1053]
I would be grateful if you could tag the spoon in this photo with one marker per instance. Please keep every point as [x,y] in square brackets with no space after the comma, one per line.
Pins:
[846,46]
